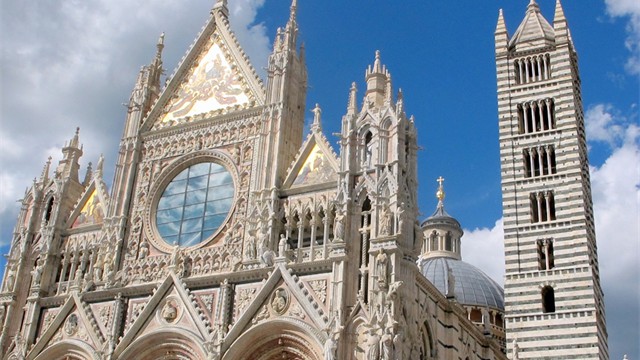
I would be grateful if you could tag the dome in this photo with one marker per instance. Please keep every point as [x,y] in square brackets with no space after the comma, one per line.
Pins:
[472,286]
[440,217]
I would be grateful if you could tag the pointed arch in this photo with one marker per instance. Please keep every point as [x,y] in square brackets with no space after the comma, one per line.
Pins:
[270,340]
[70,349]
[180,343]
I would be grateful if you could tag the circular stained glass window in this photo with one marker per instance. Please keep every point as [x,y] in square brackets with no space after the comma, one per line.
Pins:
[194,204]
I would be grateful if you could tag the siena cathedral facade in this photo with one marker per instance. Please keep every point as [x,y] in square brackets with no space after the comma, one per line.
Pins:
[230,234]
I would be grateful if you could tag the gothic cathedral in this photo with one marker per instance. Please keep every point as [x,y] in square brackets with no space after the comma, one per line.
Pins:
[231,234]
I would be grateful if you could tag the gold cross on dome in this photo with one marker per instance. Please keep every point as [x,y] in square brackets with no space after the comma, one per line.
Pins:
[440,192]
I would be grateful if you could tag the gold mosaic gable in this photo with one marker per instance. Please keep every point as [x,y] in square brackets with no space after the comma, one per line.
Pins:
[316,169]
[91,213]
[212,84]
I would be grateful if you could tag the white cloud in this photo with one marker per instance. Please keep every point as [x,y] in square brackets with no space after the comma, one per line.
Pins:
[73,63]
[630,8]
[616,196]
[602,125]
[484,248]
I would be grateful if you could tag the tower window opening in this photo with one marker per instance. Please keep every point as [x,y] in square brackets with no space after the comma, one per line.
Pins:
[539,161]
[520,119]
[536,162]
[536,116]
[434,241]
[365,223]
[533,201]
[551,206]
[48,211]
[527,163]
[532,69]
[545,254]
[545,162]
[448,242]
[368,149]
[548,300]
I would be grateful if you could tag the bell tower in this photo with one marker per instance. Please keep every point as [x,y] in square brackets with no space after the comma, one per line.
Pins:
[553,298]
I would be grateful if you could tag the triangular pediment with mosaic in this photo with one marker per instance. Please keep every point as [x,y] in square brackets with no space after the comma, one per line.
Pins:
[74,321]
[91,208]
[316,163]
[214,78]
[282,295]
[170,307]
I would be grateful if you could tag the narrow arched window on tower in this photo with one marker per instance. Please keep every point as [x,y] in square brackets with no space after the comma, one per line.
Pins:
[368,149]
[545,254]
[48,211]
[448,242]
[533,207]
[548,300]
[434,241]
[385,142]
[552,206]
[520,119]
[527,162]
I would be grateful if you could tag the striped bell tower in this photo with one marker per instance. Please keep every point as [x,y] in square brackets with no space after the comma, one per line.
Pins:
[553,298]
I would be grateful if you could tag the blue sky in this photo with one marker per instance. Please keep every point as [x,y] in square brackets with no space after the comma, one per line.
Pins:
[72,64]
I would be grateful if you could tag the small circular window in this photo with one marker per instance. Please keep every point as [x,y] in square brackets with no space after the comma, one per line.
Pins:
[194,204]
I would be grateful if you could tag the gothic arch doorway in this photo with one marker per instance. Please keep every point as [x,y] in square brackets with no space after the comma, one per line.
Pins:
[68,350]
[170,344]
[276,340]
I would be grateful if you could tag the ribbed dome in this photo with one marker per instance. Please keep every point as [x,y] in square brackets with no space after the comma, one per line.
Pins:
[440,217]
[472,286]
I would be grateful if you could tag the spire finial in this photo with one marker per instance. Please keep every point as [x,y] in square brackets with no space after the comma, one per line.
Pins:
[221,5]
[160,44]
[376,64]
[559,14]
[501,27]
[440,193]
[45,170]
[533,6]
[75,140]
[293,11]
[352,105]
[317,125]
[100,165]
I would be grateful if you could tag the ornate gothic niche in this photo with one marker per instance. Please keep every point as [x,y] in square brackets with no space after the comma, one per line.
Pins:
[193,200]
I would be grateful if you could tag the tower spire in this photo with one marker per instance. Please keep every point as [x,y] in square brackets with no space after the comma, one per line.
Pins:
[377,78]
[560,26]
[293,11]
[45,171]
[501,28]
